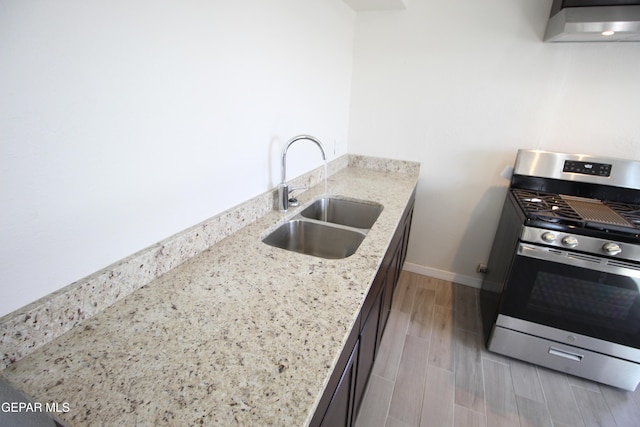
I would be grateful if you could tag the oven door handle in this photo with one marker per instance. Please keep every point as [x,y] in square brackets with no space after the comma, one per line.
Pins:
[566,354]
[577,259]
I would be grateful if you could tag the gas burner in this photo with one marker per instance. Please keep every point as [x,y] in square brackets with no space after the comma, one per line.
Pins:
[546,207]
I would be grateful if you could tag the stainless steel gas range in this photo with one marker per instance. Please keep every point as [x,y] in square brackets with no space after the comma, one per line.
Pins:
[562,288]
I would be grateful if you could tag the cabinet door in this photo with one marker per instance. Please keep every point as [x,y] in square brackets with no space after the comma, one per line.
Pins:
[368,348]
[385,309]
[340,411]
[405,238]
[393,274]
[396,265]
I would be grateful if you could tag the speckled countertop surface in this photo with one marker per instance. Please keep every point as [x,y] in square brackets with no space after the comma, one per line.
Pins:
[241,334]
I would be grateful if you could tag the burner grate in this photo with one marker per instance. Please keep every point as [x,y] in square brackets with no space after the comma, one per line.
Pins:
[545,206]
[578,211]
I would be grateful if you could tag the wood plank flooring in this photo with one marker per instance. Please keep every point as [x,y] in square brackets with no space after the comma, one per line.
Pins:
[434,371]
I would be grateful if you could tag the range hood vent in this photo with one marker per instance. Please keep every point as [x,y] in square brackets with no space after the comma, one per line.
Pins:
[594,21]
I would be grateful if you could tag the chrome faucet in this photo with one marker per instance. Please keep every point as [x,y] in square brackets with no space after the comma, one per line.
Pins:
[283,188]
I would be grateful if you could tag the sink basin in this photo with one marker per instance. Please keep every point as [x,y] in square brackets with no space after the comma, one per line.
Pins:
[315,239]
[342,211]
[330,227]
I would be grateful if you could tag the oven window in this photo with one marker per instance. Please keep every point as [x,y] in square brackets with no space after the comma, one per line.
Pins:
[589,302]
[581,299]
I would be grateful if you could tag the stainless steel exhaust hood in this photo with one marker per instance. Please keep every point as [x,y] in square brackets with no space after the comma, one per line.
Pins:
[594,21]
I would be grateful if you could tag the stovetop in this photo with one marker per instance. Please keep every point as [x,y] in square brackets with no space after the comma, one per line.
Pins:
[579,213]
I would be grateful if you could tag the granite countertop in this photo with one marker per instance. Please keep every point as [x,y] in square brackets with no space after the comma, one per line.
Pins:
[243,333]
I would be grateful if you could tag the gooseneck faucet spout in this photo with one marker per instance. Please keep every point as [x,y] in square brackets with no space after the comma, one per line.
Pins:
[283,188]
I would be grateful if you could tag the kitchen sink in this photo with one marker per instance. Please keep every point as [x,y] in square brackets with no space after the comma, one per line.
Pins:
[315,239]
[343,211]
[330,227]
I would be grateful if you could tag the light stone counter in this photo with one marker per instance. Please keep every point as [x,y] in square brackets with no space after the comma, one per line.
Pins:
[241,334]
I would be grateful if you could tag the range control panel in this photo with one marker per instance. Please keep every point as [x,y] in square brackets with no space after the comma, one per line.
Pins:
[587,168]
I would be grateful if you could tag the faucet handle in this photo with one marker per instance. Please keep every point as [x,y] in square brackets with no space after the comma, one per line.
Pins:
[293,201]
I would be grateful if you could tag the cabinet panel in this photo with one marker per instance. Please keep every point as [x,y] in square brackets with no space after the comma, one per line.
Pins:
[337,376]
[407,231]
[369,300]
[385,309]
[368,348]
[389,288]
[340,411]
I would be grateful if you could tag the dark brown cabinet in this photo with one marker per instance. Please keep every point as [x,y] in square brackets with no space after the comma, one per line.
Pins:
[340,411]
[391,278]
[341,400]
[368,347]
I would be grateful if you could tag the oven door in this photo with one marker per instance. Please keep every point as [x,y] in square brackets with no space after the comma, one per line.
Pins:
[583,294]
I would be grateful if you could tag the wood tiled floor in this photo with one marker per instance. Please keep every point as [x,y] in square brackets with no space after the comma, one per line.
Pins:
[433,370]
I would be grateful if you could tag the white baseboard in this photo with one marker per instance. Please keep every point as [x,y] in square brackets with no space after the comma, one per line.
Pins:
[474,282]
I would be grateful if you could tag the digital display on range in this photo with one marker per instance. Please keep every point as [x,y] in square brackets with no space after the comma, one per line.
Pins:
[587,168]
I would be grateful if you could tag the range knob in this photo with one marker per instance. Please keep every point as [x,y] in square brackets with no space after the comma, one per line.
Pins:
[570,241]
[611,248]
[548,237]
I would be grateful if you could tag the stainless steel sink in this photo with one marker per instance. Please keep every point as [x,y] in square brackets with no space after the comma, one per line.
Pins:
[345,212]
[315,239]
[329,227]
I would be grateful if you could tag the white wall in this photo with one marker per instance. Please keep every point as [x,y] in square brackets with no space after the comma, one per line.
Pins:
[124,122]
[460,86]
